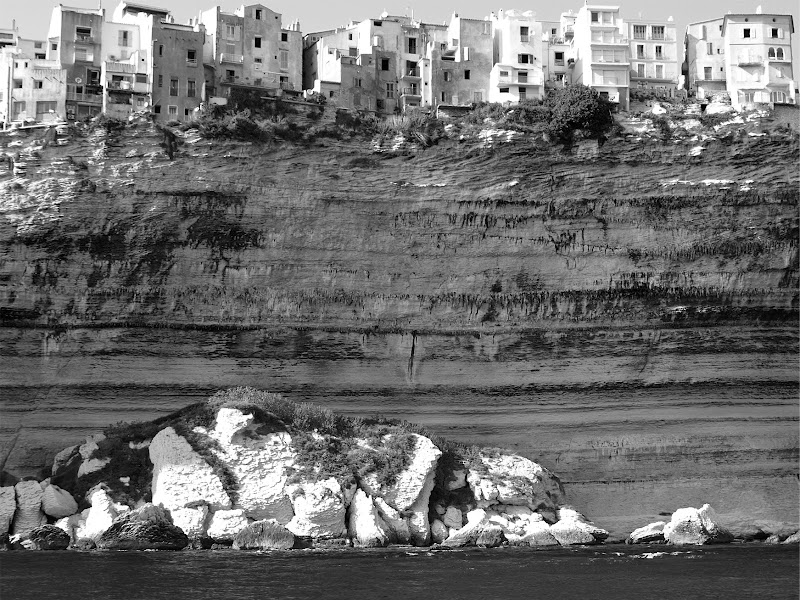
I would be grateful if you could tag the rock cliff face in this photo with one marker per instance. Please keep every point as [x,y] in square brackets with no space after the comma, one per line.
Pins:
[626,316]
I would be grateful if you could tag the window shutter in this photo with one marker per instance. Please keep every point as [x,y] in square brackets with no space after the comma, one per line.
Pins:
[466,53]
[237,33]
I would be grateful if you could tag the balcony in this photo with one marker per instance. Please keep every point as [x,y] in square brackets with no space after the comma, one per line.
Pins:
[410,91]
[524,39]
[287,86]
[84,38]
[751,61]
[119,86]
[84,97]
[569,31]
[192,62]
[610,40]
[411,73]
[119,67]
[230,58]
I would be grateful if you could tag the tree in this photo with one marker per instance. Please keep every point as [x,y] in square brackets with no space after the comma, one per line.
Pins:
[578,107]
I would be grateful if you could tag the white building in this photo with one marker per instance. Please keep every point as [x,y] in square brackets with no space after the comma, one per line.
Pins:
[653,55]
[517,73]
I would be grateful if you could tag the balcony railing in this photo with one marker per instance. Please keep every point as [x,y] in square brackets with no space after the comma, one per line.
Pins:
[86,39]
[524,39]
[125,86]
[120,67]
[231,58]
[192,62]
[84,97]
[411,72]
[749,61]
[410,91]
[559,62]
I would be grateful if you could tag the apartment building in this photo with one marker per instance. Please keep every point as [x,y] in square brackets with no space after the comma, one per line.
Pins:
[758,59]
[178,74]
[74,41]
[461,67]
[653,55]
[600,51]
[31,87]
[704,58]
[251,48]
[557,39]
[518,56]
[126,68]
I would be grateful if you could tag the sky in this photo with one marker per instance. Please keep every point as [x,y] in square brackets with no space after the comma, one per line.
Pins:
[32,16]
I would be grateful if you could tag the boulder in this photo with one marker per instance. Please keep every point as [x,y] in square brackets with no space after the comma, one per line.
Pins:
[259,462]
[63,459]
[773,539]
[515,480]
[418,523]
[439,532]
[792,539]
[29,513]
[458,481]
[692,526]
[453,517]
[537,533]
[58,503]
[146,528]
[84,544]
[398,527]
[90,464]
[491,537]
[264,535]
[8,506]
[573,528]
[319,509]
[225,524]
[366,528]
[48,537]
[100,516]
[476,521]
[654,532]
[180,476]
[192,521]
[73,523]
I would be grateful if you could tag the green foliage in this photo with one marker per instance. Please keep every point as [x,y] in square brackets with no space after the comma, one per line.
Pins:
[661,123]
[713,120]
[578,107]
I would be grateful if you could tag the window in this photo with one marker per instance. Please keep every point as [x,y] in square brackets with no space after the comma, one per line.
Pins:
[522,77]
[553,31]
[191,88]
[230,74]
[18,84]
[37,84]
[331,94]
[173,87]
[258,61]
[477,96]
[659,52]
[161,49]
[559,59]
[707,73]
[350,36]
[230,32]
[780,54]
[38,45]
[83,34]
[639,31]
[523,93]
[595,17]
[172,110]
[448,75]
[284,37]
[390,90]
[442,47]
[157,109]
[258,14]
[45,109]
[466,73]
[466,52]
[160,81]
[523,34]
[640,70]
[230,48]
[746,32]
[777,97]
[284,59]
[39,56]
[185,112]
[639,50]
[378,23]
[455,42]
[771,53]
[379,104]
[141,78]
[377,41]
[504,90]
[503,74]
[124,38]
[443,97]
[352,51]
[775,32]
[82,53]
[53,47]
[257,41]
[384,64]
[525,58]
[709,48]
[412,45]
[17,107]
[658,32]
[659,71]
[191,58]
[357,81]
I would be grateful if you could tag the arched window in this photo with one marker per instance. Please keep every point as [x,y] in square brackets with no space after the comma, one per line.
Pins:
[771,53]
[780,53]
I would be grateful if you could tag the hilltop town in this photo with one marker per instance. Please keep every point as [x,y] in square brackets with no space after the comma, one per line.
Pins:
[138,60]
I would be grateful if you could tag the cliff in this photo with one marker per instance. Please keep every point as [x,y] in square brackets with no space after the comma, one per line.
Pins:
[625,315]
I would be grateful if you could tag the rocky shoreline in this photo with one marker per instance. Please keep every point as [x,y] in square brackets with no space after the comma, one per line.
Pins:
[249,470]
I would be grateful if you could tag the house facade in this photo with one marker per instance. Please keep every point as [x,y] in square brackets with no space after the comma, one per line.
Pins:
[31,87]
[704,66]
[519,57]
[653,55]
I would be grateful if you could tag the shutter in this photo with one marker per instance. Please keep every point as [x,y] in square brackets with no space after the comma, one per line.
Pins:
[237,33]
[466,53]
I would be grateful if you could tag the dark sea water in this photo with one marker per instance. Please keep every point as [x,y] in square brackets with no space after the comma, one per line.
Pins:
[619,572]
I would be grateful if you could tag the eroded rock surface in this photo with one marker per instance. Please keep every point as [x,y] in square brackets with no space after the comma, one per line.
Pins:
[692,526]
[29,513]
[264,535]
[146,528]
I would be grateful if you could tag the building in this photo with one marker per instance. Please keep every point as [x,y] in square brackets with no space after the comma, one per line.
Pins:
[758,59]
[74,41]
[127,68]
[518,57]
[557,39]
[250,48]
[654,56]
[704,59]
[599,53]
[31,87]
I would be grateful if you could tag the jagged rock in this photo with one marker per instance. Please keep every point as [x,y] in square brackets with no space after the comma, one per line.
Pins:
[654,532]
[439,531]
[695,526]
[29,513]
[459,480]
[399,529]
[264,535]
[90,464]
[491,537]
[773,539]
[192,521]
[792,539]
[319,509]
[573,528]
[100,516]
[453,518]
[58,503]
[225,524]
[48,537]
[146,528]
[180,476]
[68,458]
[513,479]
[259,462]
[73,523]
[476,520]
[8,506]
[418,523]
[366,528]
[537,533]
[84,544]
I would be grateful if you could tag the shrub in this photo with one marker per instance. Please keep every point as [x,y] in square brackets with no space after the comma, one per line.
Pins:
[578,107]
[661,123]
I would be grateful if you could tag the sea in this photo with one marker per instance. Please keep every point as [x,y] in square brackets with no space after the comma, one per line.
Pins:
[742,571]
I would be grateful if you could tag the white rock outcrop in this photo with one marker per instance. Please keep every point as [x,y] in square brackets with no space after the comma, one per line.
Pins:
[477,520]
[100,516]
[399,528]
[537,533]
[366,528]
[225,524]
[513,479]
[692,526]
[86,450]
[654,532]
[191,520]
[73,523]
[8,506]
[260,463]
[29,513]
[418,522]
[58,503]
[573,528]
[319,509]
[181,477]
